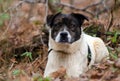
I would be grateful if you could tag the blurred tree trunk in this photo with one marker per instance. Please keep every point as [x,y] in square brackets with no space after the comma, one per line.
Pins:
[54,7]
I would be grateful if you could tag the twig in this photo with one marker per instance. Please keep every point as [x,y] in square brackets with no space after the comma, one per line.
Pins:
[73,7]
[37,62]
[94,4]
[105,75]
[101,11]
[110,21]
[13,7]
[30,1]
[12,65]
[85,8]
[34,1]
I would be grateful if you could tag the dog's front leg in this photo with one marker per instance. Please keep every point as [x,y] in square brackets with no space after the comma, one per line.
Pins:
[50,68]
[52,64]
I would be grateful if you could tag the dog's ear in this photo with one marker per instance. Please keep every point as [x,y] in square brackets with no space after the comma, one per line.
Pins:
[79,17]
[50,19]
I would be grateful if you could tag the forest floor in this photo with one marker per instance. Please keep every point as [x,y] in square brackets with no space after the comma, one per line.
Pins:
[24,45]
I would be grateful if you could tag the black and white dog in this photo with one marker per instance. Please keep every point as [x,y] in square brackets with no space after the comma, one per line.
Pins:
[70,47]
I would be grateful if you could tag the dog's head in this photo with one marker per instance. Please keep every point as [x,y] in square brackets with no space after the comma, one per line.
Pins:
[65,28]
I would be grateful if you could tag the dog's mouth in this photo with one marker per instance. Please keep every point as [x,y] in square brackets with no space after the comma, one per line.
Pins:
[64,40]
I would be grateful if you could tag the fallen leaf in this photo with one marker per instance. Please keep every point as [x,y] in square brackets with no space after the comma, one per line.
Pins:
[117,63]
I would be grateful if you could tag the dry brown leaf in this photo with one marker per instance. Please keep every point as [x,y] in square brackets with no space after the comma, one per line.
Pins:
[73,79]
[117,63]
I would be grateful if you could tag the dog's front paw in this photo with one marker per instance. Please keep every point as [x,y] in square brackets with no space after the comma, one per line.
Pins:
[61,72]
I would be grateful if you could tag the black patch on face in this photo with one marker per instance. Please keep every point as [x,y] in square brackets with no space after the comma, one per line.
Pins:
[71,22]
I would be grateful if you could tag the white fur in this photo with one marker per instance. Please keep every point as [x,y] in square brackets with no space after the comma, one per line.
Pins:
[75,58]
[57,39]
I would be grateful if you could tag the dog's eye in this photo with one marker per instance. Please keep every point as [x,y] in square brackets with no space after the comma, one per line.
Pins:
[72,27]
[58,25]
[56,28]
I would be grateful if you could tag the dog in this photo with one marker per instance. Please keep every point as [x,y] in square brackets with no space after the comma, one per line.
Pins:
[70,47]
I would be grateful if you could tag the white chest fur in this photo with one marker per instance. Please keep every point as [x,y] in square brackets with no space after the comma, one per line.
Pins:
[74,64]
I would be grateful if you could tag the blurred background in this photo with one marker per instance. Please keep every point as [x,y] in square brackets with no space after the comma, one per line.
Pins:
[24,37]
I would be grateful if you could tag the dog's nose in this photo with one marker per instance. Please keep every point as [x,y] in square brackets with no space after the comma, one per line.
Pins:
[63,34]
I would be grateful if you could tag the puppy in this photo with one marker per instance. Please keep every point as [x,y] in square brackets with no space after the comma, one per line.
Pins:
[70,47]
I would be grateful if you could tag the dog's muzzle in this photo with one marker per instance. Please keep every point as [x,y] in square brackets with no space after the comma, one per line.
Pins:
[63,37]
